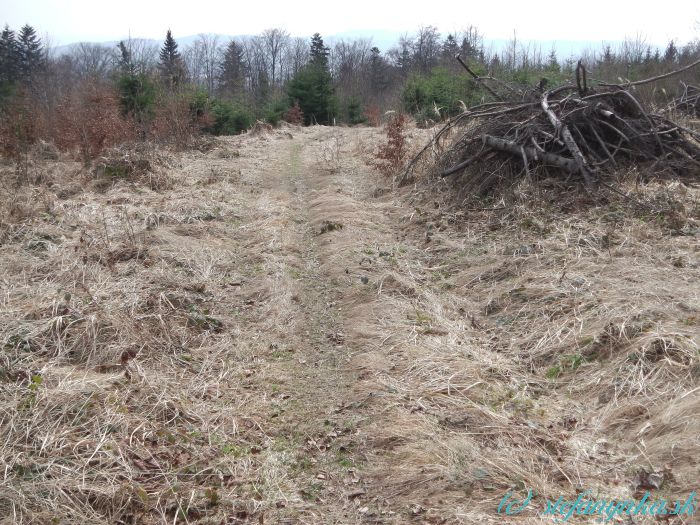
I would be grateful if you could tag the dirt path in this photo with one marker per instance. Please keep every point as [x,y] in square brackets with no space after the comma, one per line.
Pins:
[350,442]
[319,283]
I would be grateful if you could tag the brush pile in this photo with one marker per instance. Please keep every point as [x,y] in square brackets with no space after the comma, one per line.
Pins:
[571,132]
[688,102]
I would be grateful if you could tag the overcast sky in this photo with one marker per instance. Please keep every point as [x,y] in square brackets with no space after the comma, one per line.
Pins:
[68,21]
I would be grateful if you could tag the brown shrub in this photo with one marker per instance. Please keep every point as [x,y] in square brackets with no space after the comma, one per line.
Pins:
[373,116]
[18,131]
[89,119]
[294,115]
[176,122]
[391,155]
[138,163]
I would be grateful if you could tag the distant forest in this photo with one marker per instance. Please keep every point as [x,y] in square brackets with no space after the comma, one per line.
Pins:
[96,95]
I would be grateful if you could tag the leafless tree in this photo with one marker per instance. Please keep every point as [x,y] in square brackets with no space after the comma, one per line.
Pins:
[401,56]
[297,55]
[257,66]
[144,54]
[632,49]
[93,60]
[471,42]
[349,63]
[275,42]
[426,48]
[510,53]
[194,59]
[210,50]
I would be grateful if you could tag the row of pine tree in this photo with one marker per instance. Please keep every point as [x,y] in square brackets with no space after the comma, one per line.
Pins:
[21,55]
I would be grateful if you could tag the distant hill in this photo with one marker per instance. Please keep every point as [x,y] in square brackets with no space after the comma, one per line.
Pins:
[385,40]
[182,42]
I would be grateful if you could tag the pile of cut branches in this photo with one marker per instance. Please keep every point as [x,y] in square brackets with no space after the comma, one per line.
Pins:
[571,132]
[688,102]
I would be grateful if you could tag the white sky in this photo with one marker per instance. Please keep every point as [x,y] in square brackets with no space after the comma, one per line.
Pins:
[68,21]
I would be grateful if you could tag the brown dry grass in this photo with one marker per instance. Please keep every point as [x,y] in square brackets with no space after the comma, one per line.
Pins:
[272,335]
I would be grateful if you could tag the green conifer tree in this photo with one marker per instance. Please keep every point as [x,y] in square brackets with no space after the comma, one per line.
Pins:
[377,71]
[449,49]
[312,86]
[126,64]
[671,53]
[31,53]
[170,62]
[9,57]
[404,60]
[319,52]
[232,70]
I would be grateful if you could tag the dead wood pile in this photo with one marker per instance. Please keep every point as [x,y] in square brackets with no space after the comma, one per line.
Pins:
[570,131]
[688,102]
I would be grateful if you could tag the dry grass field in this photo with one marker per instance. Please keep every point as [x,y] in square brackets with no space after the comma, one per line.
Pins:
[265,331]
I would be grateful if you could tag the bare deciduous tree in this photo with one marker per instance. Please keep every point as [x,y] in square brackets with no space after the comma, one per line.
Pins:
[426,48]
[257,66]
[144,54]
[193,57]
[297,56]
[275,42]
[93,60]
[349,63]
[211,53]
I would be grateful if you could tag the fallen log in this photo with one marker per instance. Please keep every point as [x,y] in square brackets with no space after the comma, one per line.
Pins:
[531,154]
[550,159]
[563,131]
